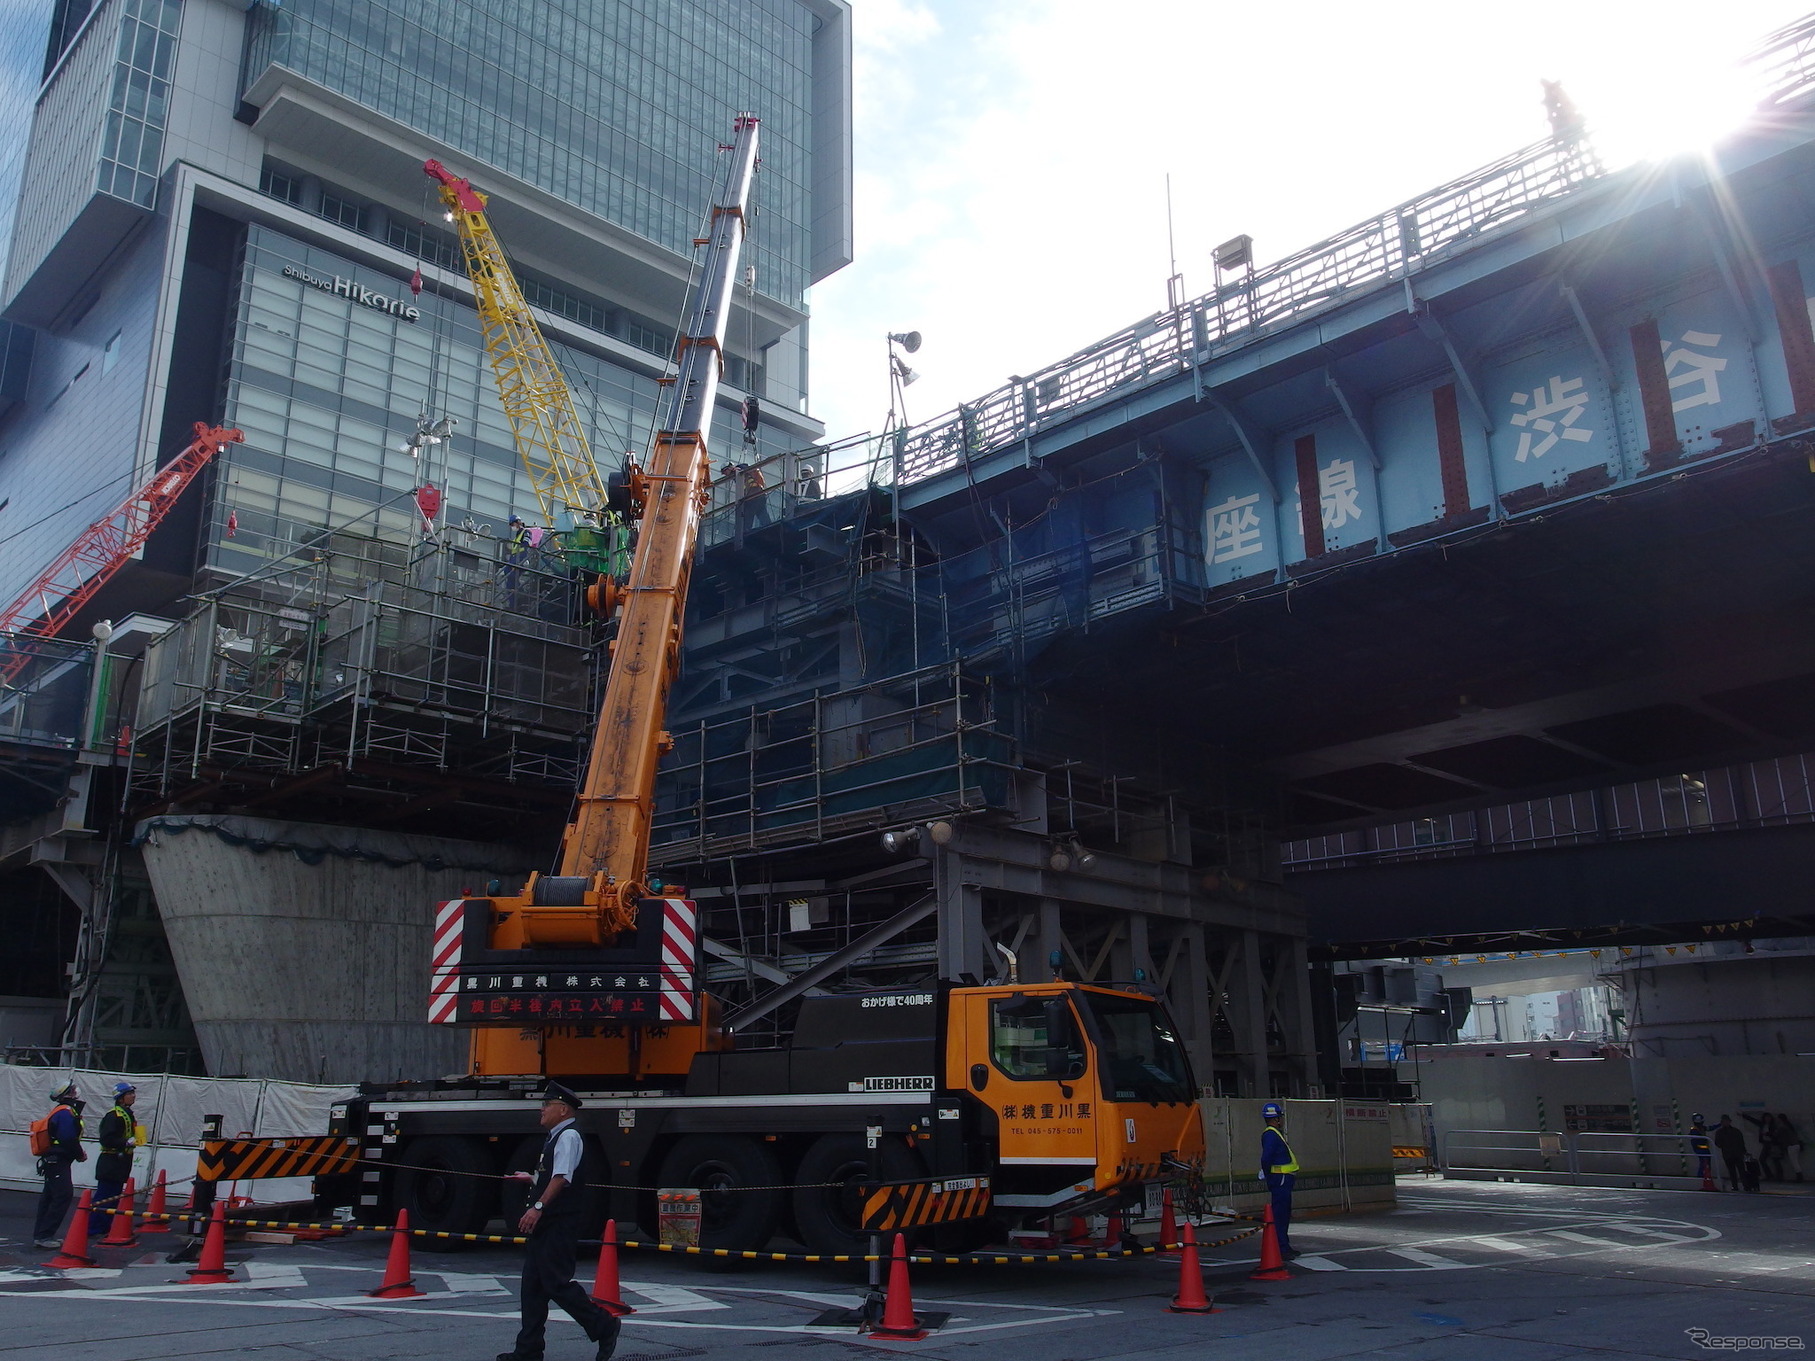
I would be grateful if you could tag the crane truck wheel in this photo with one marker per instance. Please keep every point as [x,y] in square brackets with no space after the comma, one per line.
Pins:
[828,1215]
[446,1183]
[721,1165]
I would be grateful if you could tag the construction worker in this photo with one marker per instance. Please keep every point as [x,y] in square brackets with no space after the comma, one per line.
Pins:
[552,1223]
[64,1130]
[119,1140]
[1279,1169]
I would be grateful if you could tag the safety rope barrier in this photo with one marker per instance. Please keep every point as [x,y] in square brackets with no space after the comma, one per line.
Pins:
[746,1255]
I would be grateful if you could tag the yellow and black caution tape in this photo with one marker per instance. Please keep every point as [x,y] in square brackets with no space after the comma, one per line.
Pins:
[919,1258]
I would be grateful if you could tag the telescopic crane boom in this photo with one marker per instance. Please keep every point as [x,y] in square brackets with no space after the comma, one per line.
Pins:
[568,923]
[550,439]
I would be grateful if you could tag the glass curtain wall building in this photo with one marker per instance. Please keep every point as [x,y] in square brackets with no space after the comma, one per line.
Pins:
[221,216]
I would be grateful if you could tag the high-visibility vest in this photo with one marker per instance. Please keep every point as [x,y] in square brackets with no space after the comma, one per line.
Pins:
[1291,1163]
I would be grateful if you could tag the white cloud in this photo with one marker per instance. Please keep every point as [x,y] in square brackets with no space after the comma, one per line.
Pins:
[1011,156]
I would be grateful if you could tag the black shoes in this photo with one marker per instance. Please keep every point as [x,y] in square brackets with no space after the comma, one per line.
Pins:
[608,1337]
[518,1356]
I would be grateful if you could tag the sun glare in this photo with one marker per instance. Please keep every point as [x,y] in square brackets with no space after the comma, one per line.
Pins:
[1637,113]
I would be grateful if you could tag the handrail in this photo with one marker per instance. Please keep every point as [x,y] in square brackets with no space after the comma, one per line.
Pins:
[1389,245]
[1571,1148]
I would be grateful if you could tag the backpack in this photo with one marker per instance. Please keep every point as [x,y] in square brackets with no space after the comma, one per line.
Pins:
[40,1133]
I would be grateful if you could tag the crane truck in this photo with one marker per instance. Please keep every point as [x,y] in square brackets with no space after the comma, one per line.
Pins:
[995,1106]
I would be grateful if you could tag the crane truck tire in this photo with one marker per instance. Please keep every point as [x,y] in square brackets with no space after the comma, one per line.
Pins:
[828,1215]
[448,1185]
[720,1165]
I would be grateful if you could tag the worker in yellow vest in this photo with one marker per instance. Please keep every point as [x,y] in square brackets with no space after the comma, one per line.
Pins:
[1279,1169]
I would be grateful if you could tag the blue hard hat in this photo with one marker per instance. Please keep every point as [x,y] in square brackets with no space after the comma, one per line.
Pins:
[1270,1110]
[121,1088]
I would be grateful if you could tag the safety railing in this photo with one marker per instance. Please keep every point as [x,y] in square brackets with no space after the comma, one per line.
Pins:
[1582,1158]
[1384,247]
[1388,246]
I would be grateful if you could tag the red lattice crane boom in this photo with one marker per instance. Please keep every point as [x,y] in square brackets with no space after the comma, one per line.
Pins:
[70,582]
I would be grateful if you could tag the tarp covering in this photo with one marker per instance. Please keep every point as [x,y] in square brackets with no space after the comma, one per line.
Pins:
[171,1109]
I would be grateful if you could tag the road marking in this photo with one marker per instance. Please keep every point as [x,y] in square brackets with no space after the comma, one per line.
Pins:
[272,1276]
[1423,1258]
[1575,1237]
[1655,1233]
[467,1283]
[1506,1245]
[1317,1263]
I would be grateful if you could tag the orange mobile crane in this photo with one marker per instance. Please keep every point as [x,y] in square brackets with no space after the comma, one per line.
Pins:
[940,1105]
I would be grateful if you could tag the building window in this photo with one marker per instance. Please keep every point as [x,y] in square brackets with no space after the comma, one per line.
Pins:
[280,184]
[346,213]
[132,150]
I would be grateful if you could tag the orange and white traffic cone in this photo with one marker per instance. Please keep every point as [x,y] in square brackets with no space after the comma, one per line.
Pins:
[899,1322]
[1191,1298]
[1168,1225]
[1272,1266]
[155,1214]
[119,1231]
[1113,1229]
[606,1291]
[398,1283]
[212,1269]
[1708,1176]
[1079,1231]
[74,1251]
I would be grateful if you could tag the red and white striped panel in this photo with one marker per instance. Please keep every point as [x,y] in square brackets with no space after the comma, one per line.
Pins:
[680,958]
[444,962]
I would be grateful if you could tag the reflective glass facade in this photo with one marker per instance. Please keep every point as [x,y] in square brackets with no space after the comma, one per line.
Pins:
[132,147]
[616,107]
[327,388]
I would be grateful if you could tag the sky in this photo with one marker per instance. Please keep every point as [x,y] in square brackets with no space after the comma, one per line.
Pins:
[1012,155]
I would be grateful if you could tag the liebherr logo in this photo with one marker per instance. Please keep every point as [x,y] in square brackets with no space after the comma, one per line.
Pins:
[898,1084]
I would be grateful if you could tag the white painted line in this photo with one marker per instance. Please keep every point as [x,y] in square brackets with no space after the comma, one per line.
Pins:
[467,1283]
[1507,1245]
[1655,1233]
[1317,1263]
[273,1276]
[1575,1237]
[1429,1259]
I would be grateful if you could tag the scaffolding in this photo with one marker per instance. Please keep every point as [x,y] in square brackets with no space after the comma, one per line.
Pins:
[461,655]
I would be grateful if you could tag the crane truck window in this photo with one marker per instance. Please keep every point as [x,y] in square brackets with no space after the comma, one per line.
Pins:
[1142,1059]
[1035,1039]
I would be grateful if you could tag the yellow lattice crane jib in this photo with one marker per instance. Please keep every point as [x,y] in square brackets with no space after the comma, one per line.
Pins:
[550,438]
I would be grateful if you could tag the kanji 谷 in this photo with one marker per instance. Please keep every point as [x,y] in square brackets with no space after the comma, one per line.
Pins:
[1549,413]
[1697,374]
[1234,528]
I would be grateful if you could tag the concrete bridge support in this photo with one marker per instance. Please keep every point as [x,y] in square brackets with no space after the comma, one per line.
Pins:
[304,949]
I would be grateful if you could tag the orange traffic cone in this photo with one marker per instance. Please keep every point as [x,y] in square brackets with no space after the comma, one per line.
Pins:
[1190,1298]
[1272,1266]
[605,1287]
[1079,1231]
[119,1231]
[74,1251]
[212,1269]
[398,1284]
[1113,1229]
[1708,1176]
[1168,1225]
[155,1221]
[898,1319]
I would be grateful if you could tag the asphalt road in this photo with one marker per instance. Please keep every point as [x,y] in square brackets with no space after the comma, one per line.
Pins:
[1461,1271]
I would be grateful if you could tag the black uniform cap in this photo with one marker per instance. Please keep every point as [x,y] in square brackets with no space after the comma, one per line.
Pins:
[556,1092]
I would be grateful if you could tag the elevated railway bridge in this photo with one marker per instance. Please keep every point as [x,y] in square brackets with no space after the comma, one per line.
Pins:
[1467,554]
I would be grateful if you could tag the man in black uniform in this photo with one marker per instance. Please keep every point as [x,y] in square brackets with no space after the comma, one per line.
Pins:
[552,1222]
[119,1140]
[56,1163]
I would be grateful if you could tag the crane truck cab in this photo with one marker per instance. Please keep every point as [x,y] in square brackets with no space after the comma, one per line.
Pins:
[1042,1100]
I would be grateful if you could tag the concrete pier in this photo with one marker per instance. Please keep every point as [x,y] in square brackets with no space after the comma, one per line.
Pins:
[304,948]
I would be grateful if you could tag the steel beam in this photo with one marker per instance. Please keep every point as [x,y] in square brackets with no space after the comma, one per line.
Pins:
[832,963]
[1248,442]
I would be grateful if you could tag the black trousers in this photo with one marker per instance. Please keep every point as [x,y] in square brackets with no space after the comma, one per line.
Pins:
[548,1265]
[54,1203]
[1279,1188]
[1735,1168]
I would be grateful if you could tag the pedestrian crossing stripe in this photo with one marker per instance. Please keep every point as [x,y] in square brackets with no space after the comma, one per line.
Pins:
[254,1159]
[916,1204]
